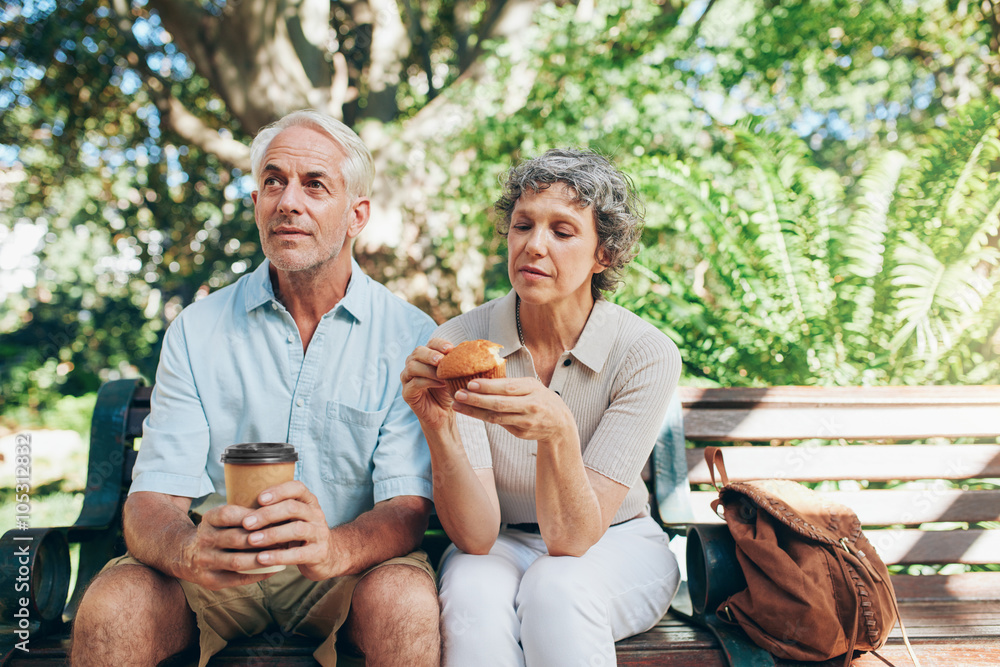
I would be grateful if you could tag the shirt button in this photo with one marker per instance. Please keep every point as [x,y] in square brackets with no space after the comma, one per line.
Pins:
[567,362]
[299,402]
[274,306]
[291,338]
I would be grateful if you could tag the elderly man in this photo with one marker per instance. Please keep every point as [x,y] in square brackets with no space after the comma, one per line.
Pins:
[306,350]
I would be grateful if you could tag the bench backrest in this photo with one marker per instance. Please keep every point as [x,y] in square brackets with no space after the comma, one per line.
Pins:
[919,465]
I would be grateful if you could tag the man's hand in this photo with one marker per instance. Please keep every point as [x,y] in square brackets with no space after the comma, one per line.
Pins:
[217,553]
[289,529]
[292,527]
[160,533]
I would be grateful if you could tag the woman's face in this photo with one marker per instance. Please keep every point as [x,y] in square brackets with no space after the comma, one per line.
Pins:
[552,247]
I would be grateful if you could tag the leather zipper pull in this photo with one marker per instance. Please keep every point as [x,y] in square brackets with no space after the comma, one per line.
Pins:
[860,555]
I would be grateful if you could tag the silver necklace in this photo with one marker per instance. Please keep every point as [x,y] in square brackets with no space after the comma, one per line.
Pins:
[520,336]
[517,318]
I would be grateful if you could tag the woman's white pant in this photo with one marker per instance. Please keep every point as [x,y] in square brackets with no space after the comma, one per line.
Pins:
[519,606]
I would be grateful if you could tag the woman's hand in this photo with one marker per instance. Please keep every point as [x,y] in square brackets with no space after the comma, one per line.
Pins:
[427,396]
[523,406]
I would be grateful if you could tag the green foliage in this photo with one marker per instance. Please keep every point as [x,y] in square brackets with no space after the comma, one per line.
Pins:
[133,220]
[821,193]
[802,282]
[945,263]
[768,259]
[71,413]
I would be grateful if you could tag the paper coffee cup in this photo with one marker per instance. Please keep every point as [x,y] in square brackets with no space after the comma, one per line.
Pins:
[250,468]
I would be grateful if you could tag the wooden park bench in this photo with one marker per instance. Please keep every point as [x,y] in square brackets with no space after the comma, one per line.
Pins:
[919,465]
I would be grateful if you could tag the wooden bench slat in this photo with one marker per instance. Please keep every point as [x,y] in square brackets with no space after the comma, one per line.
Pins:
[809,397]
[938,587]
[871,422]
[881,507]
[678,656]
[951,631]
[907,546]
[877,463]
[939,614]
[912,546]
[942,652]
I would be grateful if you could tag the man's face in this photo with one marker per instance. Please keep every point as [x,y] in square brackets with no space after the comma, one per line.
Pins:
[303,213]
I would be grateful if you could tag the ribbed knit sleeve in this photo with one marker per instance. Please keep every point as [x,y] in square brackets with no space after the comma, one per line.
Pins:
[640,391]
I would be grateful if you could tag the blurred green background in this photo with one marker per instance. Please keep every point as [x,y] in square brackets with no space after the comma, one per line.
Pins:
[820,178]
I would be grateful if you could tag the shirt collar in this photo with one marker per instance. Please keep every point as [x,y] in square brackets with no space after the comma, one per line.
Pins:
[592,349]
[355,302]
[594,346]
[259,290]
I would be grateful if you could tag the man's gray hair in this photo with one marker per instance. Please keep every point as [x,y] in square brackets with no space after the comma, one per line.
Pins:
[359,168]
[618,211]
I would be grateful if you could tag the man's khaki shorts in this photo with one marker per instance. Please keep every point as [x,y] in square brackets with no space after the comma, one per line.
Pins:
[283,605]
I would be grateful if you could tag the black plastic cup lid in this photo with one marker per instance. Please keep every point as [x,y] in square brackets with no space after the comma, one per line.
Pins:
[260,452]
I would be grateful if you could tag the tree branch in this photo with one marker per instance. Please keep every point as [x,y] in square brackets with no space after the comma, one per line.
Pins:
[173,114]
[989,9]
[511,22]
[463,29]
[263,58]
[197,35]
[192,29]
[696,28]
[193,130]
[419,39]
[340,91]
[487,23]
[390,45]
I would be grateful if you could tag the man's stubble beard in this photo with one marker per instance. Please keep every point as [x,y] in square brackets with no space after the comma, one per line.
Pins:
[316,258]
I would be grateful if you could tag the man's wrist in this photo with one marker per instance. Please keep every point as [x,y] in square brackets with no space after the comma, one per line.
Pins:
[181,565]
[339,562]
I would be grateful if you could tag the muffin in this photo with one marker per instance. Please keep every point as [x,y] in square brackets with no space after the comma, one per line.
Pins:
[471,360]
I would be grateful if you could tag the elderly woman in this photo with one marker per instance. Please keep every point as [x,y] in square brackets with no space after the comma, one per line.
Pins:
[537,476]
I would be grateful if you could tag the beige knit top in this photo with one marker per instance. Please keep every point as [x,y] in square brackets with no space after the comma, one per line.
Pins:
[617,382]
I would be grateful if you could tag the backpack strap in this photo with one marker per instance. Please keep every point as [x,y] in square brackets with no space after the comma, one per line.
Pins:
[849,656]
[895,605]
[713,458]
[906,640]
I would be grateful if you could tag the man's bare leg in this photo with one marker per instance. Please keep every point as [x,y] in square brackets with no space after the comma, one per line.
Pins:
[395,618]
[131,615]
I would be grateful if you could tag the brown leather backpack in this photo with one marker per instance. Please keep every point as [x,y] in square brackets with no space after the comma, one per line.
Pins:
[816,588]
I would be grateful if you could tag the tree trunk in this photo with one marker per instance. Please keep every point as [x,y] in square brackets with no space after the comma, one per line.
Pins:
[390,44]
[412,168]
[264,58]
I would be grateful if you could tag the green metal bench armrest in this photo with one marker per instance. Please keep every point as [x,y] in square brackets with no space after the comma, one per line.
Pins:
[41,555]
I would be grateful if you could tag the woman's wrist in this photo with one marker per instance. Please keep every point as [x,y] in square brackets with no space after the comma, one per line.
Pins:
[562,431]
[442,424]
[442,435]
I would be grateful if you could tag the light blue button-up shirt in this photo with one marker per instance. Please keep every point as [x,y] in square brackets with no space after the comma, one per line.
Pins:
[232,370]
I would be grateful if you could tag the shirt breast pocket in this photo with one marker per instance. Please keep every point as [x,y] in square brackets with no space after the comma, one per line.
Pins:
[349,441]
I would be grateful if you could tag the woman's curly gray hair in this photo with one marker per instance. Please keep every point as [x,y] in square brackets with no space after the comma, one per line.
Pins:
[618,212]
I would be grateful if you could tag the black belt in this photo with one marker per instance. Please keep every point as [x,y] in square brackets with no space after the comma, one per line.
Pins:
[533,527]
[525,527]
